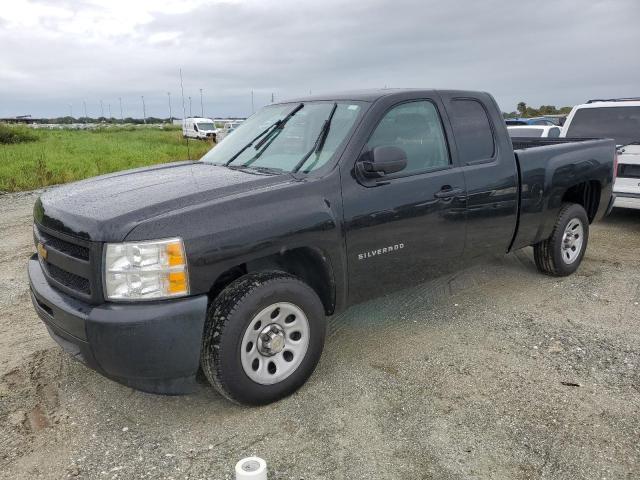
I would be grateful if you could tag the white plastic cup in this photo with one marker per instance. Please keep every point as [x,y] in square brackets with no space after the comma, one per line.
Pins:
[251,468]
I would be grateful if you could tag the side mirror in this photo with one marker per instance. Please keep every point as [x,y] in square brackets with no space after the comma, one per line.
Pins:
[382,161]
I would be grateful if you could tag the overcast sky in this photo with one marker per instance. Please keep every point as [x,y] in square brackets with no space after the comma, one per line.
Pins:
[54,53]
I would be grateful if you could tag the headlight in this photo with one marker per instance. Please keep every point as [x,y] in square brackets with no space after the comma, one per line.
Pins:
[145,270]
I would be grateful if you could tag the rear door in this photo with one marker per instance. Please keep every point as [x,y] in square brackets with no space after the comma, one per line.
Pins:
[411,226]
[486,157]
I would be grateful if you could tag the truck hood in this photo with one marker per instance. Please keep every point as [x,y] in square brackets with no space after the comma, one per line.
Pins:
[106,208]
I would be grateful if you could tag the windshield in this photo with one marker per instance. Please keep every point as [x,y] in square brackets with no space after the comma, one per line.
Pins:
[620,123]
[206,126]
[287,146]
[525,132]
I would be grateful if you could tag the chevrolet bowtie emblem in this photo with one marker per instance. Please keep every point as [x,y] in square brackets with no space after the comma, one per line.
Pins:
[41,250]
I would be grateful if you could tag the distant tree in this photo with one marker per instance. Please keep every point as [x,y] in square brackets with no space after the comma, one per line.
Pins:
[522,108]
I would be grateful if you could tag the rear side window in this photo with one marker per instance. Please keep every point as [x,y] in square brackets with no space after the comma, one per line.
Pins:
[472,130]
[620,123]
[554,132]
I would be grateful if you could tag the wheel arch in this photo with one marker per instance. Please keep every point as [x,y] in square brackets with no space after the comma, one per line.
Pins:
[586,194]
[310,264]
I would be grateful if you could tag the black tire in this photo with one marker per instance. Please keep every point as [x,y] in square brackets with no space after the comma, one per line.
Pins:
[231,313]
[549,253]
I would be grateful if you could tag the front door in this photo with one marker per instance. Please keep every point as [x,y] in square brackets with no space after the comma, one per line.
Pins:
[411,227]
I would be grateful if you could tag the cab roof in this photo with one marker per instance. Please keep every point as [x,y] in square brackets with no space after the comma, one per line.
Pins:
[371,95]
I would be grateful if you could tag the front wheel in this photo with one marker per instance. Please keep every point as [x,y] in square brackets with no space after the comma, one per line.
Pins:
[561,254]
[263,337]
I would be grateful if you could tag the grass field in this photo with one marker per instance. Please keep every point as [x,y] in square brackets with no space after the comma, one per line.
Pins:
[60,156]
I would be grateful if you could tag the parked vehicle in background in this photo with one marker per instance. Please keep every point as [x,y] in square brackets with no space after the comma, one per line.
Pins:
[529,121]
[226,129]
[618,119]
[196,127]
[534,131]
[229,265]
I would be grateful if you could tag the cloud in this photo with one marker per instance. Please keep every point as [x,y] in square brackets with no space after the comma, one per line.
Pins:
[60,53]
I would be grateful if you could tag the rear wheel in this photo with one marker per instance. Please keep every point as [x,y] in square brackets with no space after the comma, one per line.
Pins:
[263,337]
[561,254]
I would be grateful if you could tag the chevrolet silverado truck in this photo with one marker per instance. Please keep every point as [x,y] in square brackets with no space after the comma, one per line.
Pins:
[230,265]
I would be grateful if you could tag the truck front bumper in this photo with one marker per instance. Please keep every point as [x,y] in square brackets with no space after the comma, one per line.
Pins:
[153,347]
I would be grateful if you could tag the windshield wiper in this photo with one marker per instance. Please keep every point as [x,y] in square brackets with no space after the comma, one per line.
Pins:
[319,143]
[273,134]
[278,124]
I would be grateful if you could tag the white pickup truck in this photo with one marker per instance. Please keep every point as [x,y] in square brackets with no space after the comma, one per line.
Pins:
[617,118]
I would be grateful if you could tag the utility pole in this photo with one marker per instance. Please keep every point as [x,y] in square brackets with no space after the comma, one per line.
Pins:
[84,105]
[101,109]
[201,105]
[252,104]
[184,114]
[144,111]
[190,111]
[170,116]
[121,116]
[110,117]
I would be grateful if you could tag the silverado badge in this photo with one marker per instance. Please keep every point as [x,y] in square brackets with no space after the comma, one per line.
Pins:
[41,250]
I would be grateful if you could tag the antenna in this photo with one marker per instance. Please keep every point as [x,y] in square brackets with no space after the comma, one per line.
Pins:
[184,114]
[201,105]
[190,111]
[252,105]
[110,117]
[84,105]
[121,116]
[71,110]
[170,116]
[101,109]
[144,111]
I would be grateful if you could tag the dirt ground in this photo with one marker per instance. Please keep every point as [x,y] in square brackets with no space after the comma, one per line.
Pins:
[498,372]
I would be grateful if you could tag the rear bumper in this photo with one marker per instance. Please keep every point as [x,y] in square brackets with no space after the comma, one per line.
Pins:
[627,200]
[153,347]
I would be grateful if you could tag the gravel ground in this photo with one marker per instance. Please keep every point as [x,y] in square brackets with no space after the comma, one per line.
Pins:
[498,372]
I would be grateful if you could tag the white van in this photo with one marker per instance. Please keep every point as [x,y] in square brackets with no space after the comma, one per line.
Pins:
[198,128]
[617,118]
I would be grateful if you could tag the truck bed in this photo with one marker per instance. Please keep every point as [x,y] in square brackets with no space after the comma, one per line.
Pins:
[547,168]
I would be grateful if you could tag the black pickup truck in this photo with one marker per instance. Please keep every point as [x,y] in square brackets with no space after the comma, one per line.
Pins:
[229,265]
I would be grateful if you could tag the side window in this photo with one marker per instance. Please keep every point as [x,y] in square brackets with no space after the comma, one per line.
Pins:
[472,130]
[554,132]
[414,127]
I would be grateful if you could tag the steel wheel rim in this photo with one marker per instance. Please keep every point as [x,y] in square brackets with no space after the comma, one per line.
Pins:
[267,367]
[572,241]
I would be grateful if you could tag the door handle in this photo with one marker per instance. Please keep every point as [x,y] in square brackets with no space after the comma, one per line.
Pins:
[447,192]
